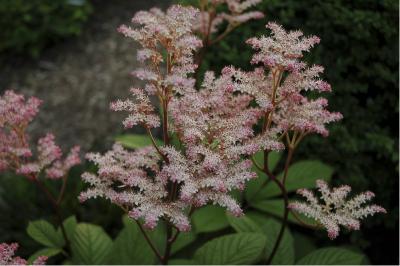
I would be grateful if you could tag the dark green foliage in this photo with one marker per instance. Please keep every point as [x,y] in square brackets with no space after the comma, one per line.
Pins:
[28,26]
[359,50]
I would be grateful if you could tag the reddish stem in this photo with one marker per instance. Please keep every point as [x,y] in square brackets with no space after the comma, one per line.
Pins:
[152,246]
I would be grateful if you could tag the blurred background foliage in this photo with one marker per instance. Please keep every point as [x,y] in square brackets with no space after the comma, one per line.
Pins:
[29,26]
[359,50]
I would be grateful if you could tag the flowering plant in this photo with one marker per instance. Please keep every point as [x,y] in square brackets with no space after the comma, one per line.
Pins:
[218,136]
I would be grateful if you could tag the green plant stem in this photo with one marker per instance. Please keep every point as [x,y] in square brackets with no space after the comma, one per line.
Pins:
[228,30]
[62,191]
[56,207]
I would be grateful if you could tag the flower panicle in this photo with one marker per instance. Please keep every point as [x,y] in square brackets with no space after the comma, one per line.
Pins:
[335,209]
[15,152]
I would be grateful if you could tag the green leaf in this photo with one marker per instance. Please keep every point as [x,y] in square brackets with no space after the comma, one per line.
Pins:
[243,224]
[241,248]
[209,218]
[237,195]
[332,256]
[181,262]
[285,252]
[44,233]
[183,240]
[302,174]
[253,187]
[135,141]
[90,245]
[275,207]
[130,247]
[69,224]
[270,228]
[48,252]
[303,245]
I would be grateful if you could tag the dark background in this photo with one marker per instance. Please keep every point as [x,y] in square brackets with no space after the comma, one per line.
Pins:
[68,54]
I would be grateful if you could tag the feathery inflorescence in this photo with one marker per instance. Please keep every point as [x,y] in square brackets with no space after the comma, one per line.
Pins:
[335,209]
[214,125]
[15,152]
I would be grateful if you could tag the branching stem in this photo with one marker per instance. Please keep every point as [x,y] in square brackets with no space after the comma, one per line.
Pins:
[281,186]
[152,246]
[55,203]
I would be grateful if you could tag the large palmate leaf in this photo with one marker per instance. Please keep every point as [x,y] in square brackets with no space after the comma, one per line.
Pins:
[332,256]
[135,141]
[69,225]
[44,233]
[181,262]
[241,248]
[302,174]
[285,253]
[183,240]
[130,246]
[90,245]
[303,245]
[243,224]
[209,218]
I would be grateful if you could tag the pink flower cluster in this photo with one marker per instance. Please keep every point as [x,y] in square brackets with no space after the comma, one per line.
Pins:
[281,49]
[282,91]
[171,31]
[336,210]
[7,256]
[141,185]
[216,127]
[209,20]
[15,153]
[15,115]
[214,124]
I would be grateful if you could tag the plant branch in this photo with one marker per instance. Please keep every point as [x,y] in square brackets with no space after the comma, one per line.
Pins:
[281,186]
[173,239]
[228,30]
[168,245]
[285,218]
[62,191]
[152,246]
[155,144]
[287,164]
[55,205]
[256,164]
